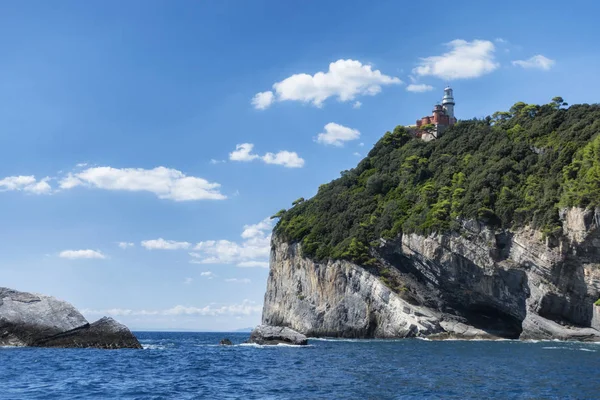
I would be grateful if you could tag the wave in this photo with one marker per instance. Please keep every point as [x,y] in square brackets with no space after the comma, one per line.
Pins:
[270,346]
[568,348]
[153,346]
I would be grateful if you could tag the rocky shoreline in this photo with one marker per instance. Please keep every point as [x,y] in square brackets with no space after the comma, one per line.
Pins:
[477,283]
[36,320]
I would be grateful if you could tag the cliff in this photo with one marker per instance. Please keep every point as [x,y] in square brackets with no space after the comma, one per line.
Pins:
[489,231]
[474,283]
[28,319]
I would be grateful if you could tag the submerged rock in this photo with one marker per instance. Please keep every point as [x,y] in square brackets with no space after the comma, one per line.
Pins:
[272,335]
[28,319]
[225,342]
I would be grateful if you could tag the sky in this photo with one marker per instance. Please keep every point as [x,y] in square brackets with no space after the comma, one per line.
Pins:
[145,144]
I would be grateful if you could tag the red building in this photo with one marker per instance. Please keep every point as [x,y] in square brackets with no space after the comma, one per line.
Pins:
[441,118]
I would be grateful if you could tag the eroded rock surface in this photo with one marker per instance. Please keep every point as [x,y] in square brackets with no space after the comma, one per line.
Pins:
[273,335]
[475,283]
[28,319]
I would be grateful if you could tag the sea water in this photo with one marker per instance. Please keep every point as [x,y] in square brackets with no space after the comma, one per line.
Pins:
[194,366]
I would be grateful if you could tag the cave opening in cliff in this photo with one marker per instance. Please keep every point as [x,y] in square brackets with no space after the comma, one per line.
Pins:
[493,321]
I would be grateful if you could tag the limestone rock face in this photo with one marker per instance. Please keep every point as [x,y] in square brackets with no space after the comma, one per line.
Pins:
[28,319]
[475,283]
[273,335]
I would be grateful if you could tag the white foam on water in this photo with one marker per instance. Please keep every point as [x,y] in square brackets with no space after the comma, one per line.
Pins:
[271,346]
[153,347]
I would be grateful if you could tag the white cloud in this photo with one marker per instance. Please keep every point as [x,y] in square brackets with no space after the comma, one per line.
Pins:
[125,245]
[263,100]
[361,144]
[213,161]
[336,134]
[246,307]
[356,105]
[243,152]
[162,244]
[345,80]
[208,274]
[164,182]
[79,254]
[253,251]
[188,281]
[238,280]
[419,88]
[465,60]
[253,264]
[500,40]
[289,159]
[356,153]
[25,183]
[537,61]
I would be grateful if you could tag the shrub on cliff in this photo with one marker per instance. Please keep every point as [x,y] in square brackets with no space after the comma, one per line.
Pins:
[511,169]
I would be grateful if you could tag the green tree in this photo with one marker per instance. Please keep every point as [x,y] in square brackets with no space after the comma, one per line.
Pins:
[279,213]
[298,201]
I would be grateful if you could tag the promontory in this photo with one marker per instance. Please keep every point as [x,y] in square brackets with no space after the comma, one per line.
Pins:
[491,230]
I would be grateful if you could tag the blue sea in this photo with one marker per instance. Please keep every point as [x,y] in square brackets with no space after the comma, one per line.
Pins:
[194,366]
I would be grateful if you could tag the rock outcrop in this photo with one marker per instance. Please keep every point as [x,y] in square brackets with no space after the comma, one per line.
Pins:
[273,335]
[28,319]
[475,283]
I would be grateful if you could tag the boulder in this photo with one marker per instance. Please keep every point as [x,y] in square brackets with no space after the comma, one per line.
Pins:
[106,333]
[272,335]
[225,342]
[28,319]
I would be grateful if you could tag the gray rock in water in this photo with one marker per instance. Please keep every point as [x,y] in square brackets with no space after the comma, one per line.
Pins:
[28,319]
[225,342]
[272,335]
[106,333]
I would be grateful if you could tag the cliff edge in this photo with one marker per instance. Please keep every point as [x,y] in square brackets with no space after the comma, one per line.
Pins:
[476,282]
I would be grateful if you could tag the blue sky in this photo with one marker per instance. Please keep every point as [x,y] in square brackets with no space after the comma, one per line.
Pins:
[144,144]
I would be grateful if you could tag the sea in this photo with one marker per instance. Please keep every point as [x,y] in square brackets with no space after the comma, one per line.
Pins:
[193,366]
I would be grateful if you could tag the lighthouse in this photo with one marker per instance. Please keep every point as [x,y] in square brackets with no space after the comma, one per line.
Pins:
[448,104]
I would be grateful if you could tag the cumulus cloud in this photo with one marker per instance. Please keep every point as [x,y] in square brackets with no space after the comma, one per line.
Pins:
[419,88]
[464,60]
[344,80]
[356,105]
[252,251]
[538,62]
[125,245]
[263,100]
[162,244]
[81,254]
[288,159]
[25,183]
[164,182]
[336,134]
[243,152]
[245,308]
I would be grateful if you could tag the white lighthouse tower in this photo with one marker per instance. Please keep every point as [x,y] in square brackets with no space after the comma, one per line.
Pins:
[448,103]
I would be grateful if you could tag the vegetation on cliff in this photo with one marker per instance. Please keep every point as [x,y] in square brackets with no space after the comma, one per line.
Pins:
[510,169]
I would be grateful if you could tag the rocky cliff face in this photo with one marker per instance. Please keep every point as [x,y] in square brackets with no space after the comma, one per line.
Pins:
[28,319]
[476,283]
